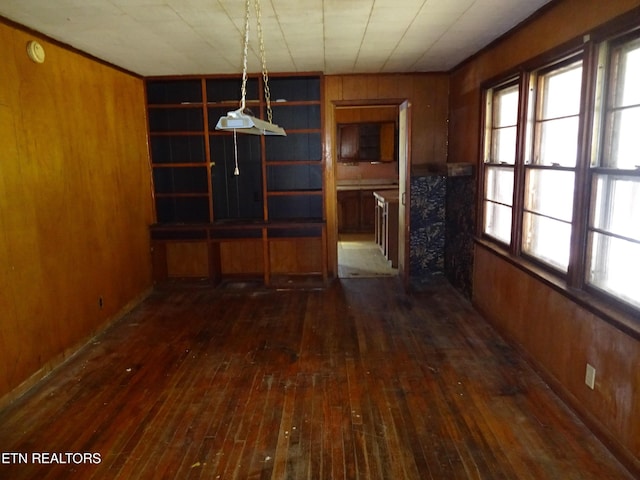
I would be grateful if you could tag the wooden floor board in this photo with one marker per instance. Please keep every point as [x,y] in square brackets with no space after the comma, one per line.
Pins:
[355,381]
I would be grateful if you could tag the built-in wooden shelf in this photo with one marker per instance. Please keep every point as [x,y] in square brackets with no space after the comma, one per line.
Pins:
[268,220]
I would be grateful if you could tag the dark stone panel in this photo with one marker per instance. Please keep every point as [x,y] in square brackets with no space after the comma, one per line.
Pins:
[427,239]
[460,226]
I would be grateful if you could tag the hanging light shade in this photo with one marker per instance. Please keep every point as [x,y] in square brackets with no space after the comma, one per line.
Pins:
[239,120]
[244,123]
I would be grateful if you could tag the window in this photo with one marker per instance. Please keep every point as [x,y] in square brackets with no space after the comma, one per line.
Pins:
[561,168]
[550,172]
[614,225]
[500,158]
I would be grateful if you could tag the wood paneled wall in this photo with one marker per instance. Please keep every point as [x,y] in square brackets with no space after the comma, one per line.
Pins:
[75,203]
[561,337]
[558,335]
[428,94]
[367,114]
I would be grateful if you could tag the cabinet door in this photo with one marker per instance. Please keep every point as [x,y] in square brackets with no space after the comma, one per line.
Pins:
[367,211]
[387,142]
[348,136]
[369,142]
[348,211]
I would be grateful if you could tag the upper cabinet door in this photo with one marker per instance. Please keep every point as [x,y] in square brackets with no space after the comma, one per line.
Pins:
[367,142]
[387,142]
[348,136]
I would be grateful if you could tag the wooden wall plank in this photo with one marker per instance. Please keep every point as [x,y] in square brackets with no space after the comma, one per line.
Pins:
[295,255]
[561,337]
[187,259]
[75,202]
[241,256]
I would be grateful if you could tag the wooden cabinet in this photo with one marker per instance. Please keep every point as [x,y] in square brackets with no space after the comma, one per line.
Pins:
[367,210]
[243,220]
[356,211]
[367,142]
[348,143]
[348,211]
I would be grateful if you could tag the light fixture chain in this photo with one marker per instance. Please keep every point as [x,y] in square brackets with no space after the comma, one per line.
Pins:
[244,56]
[263,58]
[236,170]
[243,119]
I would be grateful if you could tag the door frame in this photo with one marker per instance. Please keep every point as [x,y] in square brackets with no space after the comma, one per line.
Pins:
[404,186]
[331,155]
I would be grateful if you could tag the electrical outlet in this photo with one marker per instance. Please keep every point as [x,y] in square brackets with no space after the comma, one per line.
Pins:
[590,376]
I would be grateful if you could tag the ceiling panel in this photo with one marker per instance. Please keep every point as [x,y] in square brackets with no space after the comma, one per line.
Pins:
[175,37]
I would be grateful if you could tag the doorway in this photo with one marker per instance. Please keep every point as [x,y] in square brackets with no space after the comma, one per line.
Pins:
[360,254]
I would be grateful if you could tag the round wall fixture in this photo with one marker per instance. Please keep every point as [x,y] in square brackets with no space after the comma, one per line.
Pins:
[35,51]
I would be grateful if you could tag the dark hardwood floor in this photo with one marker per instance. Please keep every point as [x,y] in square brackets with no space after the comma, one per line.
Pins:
[356,381]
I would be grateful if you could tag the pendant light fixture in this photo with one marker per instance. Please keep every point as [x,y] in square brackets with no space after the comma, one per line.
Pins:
[242,120]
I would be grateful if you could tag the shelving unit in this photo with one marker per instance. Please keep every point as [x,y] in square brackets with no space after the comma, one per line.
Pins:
[267,222]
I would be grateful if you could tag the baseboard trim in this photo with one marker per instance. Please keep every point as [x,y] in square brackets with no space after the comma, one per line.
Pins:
[66,355]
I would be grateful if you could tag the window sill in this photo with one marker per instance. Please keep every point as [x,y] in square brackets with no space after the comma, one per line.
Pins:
[627,322]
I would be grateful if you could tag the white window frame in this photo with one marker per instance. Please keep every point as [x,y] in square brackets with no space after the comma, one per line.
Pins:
[497,170]
[614,271]
[555,213]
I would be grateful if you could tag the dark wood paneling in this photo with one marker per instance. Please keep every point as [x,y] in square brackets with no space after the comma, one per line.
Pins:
[560,338]
[295,255]
[241,256]
[187,259]
[75,202]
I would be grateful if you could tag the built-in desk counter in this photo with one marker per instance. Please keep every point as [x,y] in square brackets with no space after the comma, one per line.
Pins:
[350,185]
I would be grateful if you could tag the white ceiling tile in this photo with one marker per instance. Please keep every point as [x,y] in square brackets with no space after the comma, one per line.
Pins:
[161,37]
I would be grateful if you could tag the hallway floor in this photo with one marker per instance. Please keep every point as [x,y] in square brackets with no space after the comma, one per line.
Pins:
[360,257]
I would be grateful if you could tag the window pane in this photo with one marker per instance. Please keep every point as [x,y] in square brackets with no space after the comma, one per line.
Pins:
[547,239]
[499,184]
[505,107]
[617,205]
[558,142]
[625,149]
[550,193]
[499,180]
[623,116]
[503,145]
[561,92]
[504,118]
[497,221]
[613,255]
[615,267]
[628,88]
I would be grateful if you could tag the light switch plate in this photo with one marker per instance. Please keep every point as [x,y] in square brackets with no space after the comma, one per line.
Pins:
[590,376]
